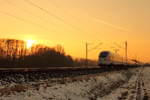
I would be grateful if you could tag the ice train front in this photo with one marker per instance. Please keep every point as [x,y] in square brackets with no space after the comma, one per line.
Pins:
[103,59]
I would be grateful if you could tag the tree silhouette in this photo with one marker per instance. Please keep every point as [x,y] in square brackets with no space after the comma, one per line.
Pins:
[14,53]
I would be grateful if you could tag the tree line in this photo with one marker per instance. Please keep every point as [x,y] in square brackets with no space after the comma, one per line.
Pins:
[14,53]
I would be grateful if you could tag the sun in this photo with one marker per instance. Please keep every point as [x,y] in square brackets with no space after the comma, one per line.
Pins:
[30,43]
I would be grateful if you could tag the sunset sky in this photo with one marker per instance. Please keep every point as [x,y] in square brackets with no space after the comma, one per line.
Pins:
[72,23]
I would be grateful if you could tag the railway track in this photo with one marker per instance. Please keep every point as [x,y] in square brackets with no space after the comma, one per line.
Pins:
[20,75]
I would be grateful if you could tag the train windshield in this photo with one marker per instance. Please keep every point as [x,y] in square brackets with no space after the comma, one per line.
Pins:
[104,54]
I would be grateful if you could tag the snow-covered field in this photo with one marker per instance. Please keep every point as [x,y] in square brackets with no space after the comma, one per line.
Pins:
[104,86]
[146,80]
[137,88]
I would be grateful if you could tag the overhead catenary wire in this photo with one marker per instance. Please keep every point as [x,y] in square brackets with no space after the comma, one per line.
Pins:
[119,46]
[53,15]
[44,10]
[57,6]
[96,47]
[27,11]
[23,20]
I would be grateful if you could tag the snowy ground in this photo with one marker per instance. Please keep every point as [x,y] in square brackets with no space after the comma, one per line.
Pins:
[146,80]
[118,85]
[137,88]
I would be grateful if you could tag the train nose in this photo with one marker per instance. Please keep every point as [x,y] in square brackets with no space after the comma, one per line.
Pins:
[102,59]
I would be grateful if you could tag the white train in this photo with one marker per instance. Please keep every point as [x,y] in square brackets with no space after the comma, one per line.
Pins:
[107,58]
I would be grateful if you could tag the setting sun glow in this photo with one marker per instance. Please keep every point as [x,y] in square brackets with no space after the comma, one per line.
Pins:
[30,43]
[73,23]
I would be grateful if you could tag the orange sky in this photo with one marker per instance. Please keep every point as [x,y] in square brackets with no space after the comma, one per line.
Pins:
[72,23]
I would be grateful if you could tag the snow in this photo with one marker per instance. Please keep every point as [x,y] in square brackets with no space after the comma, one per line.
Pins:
[123,89]
[130,90]
[86,87]
[146,79]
